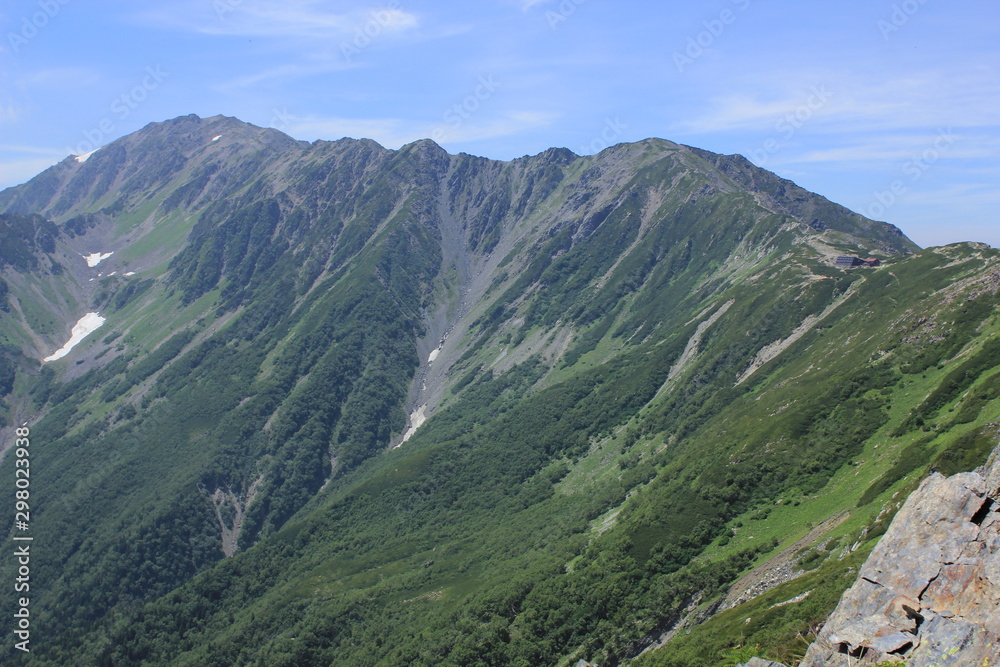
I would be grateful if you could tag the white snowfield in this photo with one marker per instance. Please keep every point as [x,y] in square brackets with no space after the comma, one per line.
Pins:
[83,158]
[96,258]
[88,324]
[433,355]
[217,138]
[417,420]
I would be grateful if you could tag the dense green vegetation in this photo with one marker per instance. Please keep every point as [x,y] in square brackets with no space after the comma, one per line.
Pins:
[706,391]
[957,381]
[23,238]
[472,498]
[776,633]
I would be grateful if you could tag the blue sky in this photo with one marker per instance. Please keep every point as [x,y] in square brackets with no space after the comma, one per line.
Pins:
[890,107]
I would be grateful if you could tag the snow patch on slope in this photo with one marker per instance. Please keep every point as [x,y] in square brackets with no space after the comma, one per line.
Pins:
[88,324]
[417,420]
[83,158]
[96,258]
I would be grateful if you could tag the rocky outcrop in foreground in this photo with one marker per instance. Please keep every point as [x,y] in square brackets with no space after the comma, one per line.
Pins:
[930,592]
[760,662]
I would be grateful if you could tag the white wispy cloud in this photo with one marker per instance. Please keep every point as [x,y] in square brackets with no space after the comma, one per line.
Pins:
[282,74]
[396,132]
[61,78]
[871,154]
[743,111]
[946,143]
[958,195]
[852,103]
[278,18]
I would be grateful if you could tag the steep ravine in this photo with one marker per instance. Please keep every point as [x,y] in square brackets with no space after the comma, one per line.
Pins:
[454,289]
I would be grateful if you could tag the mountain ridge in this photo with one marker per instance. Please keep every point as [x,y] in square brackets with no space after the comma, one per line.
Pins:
[193,133]
[604,369]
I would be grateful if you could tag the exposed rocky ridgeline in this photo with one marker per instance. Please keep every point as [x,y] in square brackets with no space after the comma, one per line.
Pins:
[782,195]
[929,594]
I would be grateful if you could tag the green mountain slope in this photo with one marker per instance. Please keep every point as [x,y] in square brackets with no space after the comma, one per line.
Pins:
[641,374]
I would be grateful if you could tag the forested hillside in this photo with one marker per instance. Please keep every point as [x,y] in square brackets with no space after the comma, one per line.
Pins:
[355,406]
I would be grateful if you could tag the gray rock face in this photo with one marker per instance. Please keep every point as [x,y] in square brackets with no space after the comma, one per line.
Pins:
[930,592]
[760,662]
